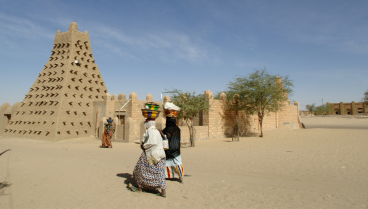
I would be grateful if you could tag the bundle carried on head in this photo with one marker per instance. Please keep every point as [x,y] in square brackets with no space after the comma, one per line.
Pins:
[110,120]
[110,128]
[151,111]
[171,110]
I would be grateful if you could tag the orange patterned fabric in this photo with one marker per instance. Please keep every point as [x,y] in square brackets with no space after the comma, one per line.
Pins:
[171,113]
[106,139]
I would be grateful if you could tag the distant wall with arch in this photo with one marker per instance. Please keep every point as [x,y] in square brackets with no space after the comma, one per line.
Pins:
[353,108]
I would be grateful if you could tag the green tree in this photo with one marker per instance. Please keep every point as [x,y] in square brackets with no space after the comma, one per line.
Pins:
[323,109]
[230,105]
[311,108]
[365,98]
[261,93]
[191,105]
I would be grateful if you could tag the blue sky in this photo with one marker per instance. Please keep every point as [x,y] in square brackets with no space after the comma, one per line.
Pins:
[149,46]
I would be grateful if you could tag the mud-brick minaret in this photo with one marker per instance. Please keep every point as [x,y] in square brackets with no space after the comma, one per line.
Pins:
[59,104]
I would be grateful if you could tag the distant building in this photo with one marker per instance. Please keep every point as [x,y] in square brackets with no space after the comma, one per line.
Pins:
[305,113]
[353,108]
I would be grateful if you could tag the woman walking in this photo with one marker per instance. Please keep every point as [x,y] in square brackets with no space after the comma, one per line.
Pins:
[174,166]
[149,171]
[108,132]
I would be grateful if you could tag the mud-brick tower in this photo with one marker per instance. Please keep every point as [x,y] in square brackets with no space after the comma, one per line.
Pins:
[59,104]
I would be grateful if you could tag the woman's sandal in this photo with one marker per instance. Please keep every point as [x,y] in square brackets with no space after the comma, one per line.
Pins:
[159,194]
[133,188]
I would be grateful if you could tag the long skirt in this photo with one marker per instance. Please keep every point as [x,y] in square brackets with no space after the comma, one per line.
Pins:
[174,168]
[151,177]
[106,139]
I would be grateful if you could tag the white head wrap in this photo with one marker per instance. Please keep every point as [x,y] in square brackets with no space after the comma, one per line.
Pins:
[171,106]
[149,124]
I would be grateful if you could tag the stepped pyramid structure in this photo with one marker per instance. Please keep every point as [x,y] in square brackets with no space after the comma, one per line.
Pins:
[59,105]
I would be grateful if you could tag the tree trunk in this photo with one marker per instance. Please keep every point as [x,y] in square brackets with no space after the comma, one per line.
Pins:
[261,131]
[260,119]
[191,134]
[238,132]
[236,128]
[234,131]
[233,134]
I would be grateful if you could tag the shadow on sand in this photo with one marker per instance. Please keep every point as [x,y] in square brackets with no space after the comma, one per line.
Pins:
[248,134]
[4,152]
[2,186]
[129,179]
[173,179]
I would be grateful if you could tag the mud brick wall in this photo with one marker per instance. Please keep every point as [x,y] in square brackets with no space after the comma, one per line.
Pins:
[200,133]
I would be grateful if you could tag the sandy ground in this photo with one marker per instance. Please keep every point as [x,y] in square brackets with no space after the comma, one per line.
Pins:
[336,122]
[308,168]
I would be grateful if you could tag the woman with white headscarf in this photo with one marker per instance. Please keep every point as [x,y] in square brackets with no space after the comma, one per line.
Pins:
[174,165]
[149,171]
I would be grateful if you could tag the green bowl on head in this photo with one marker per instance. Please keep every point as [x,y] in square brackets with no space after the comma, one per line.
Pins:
[151,114]
[152,106]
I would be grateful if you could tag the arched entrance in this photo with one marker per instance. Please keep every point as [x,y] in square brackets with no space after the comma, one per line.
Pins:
[348,111]
[336,111]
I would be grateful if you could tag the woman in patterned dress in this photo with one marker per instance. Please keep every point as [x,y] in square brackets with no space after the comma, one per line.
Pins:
[149,171]
[108,132]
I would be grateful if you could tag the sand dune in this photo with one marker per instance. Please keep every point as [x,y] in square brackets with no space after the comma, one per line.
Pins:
[307,168]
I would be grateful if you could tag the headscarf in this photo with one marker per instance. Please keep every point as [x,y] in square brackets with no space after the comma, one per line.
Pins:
[172,131]
[149,124]
[152,143]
